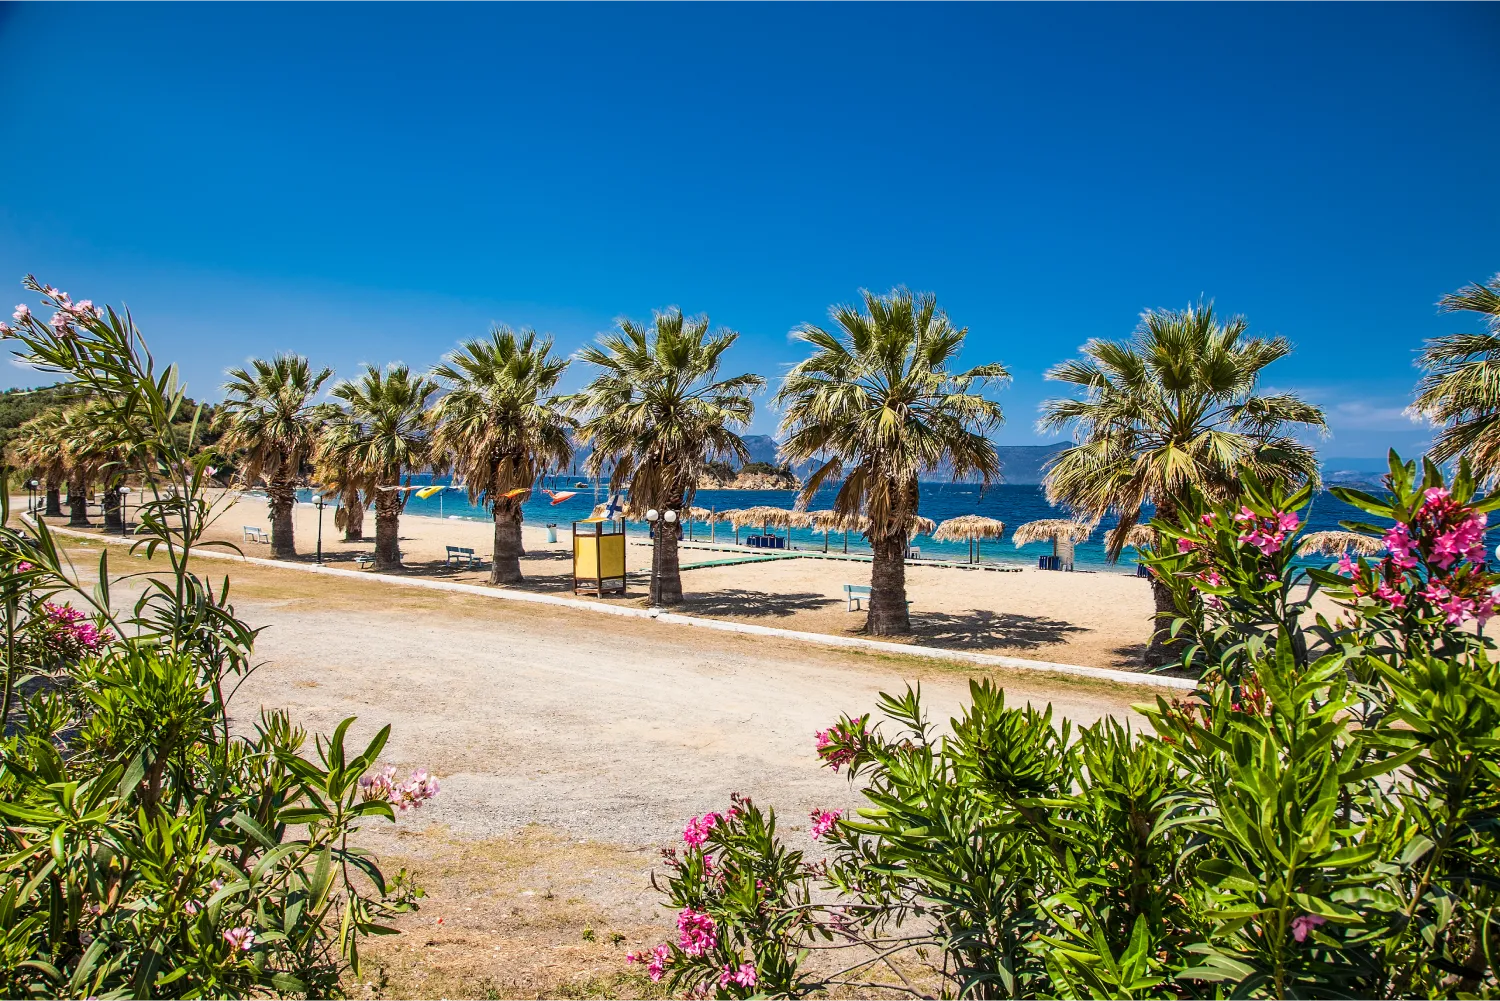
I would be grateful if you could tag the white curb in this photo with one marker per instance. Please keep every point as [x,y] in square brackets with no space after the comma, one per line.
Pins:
[822,639]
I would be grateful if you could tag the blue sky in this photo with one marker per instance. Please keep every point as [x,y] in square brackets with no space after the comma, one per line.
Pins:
[369,183]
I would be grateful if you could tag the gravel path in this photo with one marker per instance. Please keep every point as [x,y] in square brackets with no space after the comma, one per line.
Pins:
[612,731]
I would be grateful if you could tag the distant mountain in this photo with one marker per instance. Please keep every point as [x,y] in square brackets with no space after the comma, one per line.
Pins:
[1022,464]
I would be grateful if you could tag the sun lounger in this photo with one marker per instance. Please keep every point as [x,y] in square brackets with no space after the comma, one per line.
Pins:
[462,556]
[254,533]
[914,552]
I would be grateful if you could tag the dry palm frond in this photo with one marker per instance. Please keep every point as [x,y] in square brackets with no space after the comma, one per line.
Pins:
[969,526]
[1050,530]
[1136,537]
[1334,543]
[701,514]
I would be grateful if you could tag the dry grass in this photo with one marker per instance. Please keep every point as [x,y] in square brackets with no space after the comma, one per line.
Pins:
[535,915]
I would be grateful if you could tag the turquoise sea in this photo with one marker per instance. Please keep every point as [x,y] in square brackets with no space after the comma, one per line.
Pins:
[1012,504]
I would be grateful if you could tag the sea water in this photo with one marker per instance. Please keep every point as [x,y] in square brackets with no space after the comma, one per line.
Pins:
[1013,504]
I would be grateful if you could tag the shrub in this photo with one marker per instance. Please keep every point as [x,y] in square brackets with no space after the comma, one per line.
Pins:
[146,850]
[1316,820]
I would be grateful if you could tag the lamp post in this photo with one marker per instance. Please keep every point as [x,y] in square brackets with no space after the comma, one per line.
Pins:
[124,493]
[651,517]
[31,490]
[319,502]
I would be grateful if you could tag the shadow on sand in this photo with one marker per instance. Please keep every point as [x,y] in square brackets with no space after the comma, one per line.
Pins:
[985,630]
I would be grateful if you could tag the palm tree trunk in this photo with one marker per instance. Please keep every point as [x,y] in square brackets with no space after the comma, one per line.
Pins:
[1162,649]
[78,501]
[354,516]
[888,615]
[282,492]
[669,572]
[109,503]
[387,530]
[54,497]
[505,563]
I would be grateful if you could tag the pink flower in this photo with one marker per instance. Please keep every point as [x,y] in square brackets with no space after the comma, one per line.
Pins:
[1245,515]
[657,961]
[1208,519]
[215,885]
[408,795]
[192,907]
[1390,596]
[21,313]
[1346,565]
[1184,545]
[1287,522]
[832,743]
[1435,500]
[697,933]
[24,567]
[1304,923]
[1398,542]
[696,832]
[5,328]
[242,939]
[823,821]
[60,320]
[744,976]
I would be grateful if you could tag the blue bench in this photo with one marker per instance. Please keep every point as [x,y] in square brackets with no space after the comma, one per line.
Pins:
[461,556]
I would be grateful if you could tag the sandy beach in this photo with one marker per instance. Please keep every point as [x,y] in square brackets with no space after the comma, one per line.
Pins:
[1091,619]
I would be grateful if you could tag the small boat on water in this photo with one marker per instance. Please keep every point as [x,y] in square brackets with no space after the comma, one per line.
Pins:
[581,484]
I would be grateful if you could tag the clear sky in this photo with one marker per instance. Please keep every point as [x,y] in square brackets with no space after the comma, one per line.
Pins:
[370,183]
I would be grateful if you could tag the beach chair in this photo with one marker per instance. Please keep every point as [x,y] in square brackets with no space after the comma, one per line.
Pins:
[914,552]
[462,556]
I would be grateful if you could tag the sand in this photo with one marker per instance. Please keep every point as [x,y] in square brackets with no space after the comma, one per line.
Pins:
[1093,619]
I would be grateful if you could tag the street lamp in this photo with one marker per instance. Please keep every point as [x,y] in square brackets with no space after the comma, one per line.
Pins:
[31,486]
[319,502]
[124,492]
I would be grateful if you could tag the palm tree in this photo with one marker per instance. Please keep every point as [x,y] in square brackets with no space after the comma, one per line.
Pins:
[500,428]
[38,448]
[269,415]
[383,431]
[340,481]
[86,443]
[1174,409]
[659,411]
[879,396]
[1460,389]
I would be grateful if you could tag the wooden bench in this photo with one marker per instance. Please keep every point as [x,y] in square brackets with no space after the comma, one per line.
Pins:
[461,555]
[256,534]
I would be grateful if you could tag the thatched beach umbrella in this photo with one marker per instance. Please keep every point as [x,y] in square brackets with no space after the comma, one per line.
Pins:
[697,514]
[970,528]
[1335,543]
[764,516]
[1064,534]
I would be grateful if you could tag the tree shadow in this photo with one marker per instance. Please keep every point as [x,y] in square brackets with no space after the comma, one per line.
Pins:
[759,604]
[981,629]
[1131,656]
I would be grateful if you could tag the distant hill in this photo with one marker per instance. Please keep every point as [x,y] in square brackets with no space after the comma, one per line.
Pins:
[1022,464]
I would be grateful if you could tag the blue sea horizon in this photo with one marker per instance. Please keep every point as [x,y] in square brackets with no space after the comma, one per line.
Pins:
[1014,504]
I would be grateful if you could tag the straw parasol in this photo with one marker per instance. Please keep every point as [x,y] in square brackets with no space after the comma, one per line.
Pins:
[765,516]
[970,528]
[695,515]
[1064,534]
[1334,543]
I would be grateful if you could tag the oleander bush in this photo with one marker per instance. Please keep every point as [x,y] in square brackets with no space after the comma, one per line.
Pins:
[1318,819]
[146,849]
